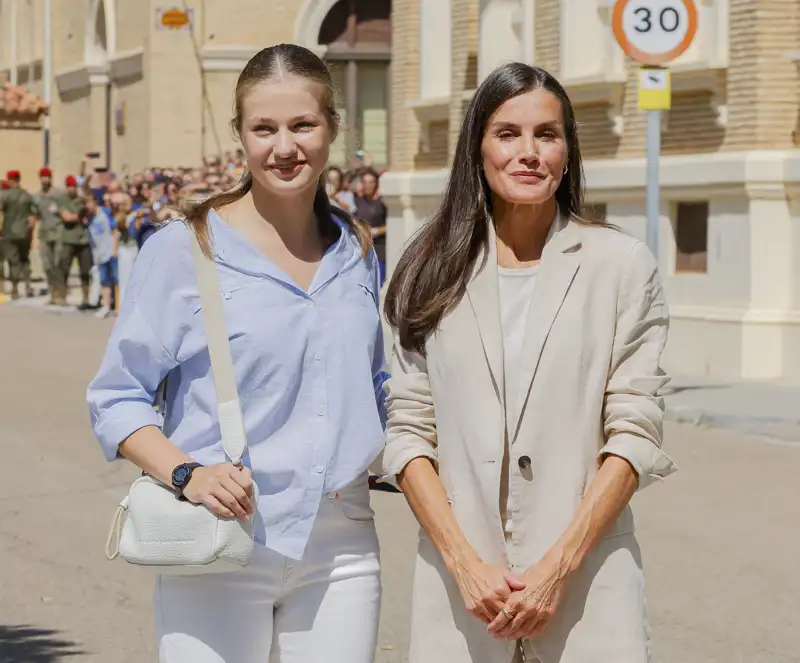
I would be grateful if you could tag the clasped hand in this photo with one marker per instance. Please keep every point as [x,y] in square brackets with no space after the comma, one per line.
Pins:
[513,607]
[224,488]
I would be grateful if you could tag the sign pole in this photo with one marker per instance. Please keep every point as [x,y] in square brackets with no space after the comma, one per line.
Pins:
[654,98]
[653,33]
[653,192]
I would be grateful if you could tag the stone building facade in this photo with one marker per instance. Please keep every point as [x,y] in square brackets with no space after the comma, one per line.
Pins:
[132,87]
[730,171]
[130,92]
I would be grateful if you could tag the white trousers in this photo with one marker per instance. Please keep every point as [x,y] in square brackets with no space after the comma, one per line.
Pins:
[126,256]
[323,609]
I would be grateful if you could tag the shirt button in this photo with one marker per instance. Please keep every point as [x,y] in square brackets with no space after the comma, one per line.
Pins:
[321,413]
[309,303]
[227,295]
[319,469]
[317,357]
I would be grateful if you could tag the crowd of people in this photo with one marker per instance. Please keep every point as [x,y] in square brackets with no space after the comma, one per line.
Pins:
[101,221]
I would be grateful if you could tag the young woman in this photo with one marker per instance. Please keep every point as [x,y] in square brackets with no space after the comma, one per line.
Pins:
[300,289]
[525,409]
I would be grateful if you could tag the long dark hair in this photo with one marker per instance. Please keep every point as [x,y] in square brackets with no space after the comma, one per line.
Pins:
[277,60]
[434,269]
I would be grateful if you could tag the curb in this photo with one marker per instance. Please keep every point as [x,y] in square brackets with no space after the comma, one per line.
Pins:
[786,429]
[39,303]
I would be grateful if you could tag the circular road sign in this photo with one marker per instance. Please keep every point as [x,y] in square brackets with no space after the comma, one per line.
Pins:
[654,31]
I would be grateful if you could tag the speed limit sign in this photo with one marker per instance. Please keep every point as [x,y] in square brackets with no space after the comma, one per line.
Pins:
[654,32]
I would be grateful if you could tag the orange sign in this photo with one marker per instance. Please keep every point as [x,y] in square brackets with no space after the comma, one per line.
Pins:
[654,32]
[175,18]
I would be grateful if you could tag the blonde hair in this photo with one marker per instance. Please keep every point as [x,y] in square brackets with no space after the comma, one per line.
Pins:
[270,62]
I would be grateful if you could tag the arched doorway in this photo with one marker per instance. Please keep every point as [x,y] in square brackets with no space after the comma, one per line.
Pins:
[357,36]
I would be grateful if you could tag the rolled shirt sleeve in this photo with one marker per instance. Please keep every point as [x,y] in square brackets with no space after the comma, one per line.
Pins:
[121,395]
[634,407]
[411,421]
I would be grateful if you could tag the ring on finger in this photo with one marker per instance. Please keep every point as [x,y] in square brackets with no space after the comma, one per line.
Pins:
[507,613]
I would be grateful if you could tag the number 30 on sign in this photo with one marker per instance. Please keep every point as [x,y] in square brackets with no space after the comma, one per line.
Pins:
[654,32]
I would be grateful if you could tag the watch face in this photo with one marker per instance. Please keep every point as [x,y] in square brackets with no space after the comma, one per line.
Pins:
[180,475]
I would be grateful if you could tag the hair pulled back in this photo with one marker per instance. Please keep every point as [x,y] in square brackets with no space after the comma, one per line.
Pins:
[271,62]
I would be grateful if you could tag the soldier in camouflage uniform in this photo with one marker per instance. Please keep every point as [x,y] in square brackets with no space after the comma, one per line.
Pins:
[74,240]
[50,234]
[19,218]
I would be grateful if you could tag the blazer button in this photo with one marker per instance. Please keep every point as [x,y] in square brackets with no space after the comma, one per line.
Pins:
[524,462]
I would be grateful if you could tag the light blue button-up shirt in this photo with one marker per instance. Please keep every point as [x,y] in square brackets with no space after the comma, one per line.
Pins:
[309,367]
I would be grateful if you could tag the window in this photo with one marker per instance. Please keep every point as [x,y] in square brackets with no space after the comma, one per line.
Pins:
[691,237]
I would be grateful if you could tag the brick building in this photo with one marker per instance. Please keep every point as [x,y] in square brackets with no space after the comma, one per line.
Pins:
[137,86]
[730,174]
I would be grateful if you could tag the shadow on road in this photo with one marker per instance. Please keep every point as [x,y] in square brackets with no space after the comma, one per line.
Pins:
[27,644]
[670,390]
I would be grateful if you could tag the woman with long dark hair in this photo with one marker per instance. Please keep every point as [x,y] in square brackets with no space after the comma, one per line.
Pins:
[524,409]
[300,286]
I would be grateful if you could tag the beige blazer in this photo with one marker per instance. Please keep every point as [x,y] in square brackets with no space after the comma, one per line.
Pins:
[590,381]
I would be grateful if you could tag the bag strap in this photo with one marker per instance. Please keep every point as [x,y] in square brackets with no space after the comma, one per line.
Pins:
[229,409]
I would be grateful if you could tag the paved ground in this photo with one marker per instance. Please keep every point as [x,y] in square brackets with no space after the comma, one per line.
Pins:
[768,409]
[720,538]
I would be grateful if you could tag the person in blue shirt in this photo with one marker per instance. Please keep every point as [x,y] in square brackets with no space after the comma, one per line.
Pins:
[300,287]
[104,240]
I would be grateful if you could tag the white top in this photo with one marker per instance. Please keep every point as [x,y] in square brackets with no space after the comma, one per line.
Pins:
[515,290]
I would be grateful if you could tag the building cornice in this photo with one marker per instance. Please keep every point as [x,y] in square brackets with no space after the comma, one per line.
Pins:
[82,77]
[129,64]
[607,89]
[761,174]
[430,109]
[226,58]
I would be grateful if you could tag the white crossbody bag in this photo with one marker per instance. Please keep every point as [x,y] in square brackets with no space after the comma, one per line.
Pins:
[175,536]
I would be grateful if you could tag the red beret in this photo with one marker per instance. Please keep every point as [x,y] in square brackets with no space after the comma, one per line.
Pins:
[70,181]
[12,175]
[45,172]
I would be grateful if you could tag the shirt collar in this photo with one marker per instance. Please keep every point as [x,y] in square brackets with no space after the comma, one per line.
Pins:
[234,250]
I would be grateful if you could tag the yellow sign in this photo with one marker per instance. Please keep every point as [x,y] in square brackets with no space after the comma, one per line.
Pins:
[654,89]
[175,18]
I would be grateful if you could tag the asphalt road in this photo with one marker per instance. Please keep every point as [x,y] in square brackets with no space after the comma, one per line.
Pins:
[721,538]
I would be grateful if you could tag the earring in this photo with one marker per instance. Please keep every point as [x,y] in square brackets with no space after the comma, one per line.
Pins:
[566,168]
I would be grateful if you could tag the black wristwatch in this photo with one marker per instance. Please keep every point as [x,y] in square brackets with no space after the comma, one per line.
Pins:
[181,476]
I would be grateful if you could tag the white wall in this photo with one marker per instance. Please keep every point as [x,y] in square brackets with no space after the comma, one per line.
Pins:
[741,319]
[499,41]
[434,42]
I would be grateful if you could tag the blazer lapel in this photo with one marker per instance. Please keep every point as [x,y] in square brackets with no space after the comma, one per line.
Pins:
[560,261]
[482,291]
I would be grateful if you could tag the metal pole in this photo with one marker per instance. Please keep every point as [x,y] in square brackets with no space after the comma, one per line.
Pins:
[14,44]
[653,189]
[47,74]
[352,137]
